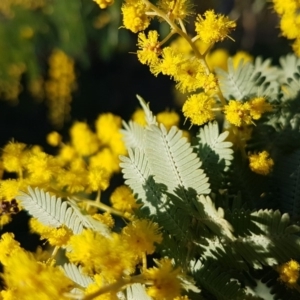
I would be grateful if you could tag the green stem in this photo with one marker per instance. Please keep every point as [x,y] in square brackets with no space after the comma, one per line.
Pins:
[217,109]
[54,252]
[167,37]
[221,97]
[96,203]
[98,197]
[182,26]
[174,27]
[104,207]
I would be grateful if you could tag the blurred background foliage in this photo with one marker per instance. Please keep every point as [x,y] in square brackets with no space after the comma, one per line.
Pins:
[64,60]
[68,60]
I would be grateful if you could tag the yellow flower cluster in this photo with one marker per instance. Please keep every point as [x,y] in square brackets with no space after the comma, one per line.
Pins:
[167,118]
[83,139]
[212,28]
[261,163]
[55,236]
[10,87]
[290,21]
[141,235]
[104,3]
[110,262]
[85,164]
[176,10]
[199,108]
[166,280]
[26,278]
[289,272]
[105,218]
[54,138]
[190,73]
[113,256]
[149,47]
[134,15]
[243,113]
[59,86]
[122,199]
[185,59]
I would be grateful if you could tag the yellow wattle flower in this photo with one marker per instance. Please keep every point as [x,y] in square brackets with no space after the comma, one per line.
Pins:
[212,27]
[261,163]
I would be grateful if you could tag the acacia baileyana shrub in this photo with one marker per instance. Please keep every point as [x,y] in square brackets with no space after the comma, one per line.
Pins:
[208,213]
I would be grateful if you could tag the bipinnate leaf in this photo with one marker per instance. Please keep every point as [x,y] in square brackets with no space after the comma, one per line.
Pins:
[262,238]
[236,83]
[150,118]
[75,274]
[133,135]
[172,160]
[137,291]
[223,284]
[53,211]
[216,143]
[136,172]
[213,218]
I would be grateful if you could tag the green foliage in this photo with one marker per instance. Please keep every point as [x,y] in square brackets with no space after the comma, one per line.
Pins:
[219,246]
[286,184]
[220,282]
[32,33]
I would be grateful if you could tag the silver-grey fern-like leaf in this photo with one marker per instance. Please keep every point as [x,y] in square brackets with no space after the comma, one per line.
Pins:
[209,135]
[53,211]
[137,291]
[136,172]
[150,118]
[266,78]
[289,66]
[75,274]
[265,69]
[214,218]
[49,210]
[172,160]
[133,135]
[262,238]
[262,290]
[236,83]
[87,220]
